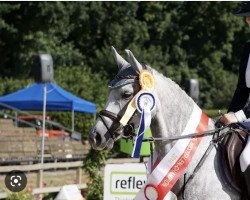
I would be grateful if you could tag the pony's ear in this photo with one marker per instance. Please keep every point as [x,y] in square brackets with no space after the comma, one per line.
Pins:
[120,61]
[132,60]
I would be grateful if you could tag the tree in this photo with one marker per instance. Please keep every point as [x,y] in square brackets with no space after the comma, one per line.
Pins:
[31,28]
[180,39]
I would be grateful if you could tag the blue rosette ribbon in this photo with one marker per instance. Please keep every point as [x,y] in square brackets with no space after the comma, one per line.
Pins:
[145,103]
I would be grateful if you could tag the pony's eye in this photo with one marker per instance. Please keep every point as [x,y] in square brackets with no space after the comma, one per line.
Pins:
[127,95]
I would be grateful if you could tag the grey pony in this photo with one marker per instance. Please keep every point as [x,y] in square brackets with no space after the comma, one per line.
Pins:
[173,110]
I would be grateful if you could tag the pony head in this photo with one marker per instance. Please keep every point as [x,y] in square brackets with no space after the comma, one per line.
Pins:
[116,120]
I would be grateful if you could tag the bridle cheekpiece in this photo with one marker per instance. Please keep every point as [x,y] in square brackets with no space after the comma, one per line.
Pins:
[146,82]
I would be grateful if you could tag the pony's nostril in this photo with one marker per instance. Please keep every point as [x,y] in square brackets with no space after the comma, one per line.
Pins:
[91,139]
[98,139]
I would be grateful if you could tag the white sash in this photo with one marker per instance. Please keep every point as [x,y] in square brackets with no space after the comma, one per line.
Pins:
[168,170]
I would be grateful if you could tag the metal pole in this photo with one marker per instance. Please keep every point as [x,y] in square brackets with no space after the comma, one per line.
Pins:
[16,121]
[73,121]
[44,114]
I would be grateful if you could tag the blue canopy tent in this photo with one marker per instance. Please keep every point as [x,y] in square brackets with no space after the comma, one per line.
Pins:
[31,98]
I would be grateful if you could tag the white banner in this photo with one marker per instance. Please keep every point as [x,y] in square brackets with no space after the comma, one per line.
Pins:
[123,181]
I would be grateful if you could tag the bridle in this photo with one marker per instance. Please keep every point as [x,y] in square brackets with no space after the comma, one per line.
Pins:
[128,129]
[115,118]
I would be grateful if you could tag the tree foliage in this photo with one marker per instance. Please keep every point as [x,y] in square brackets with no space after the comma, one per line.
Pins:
[181,39]
[93,164]
[24,194]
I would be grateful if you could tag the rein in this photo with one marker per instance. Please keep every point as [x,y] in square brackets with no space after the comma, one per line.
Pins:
[216,139]
[172,138]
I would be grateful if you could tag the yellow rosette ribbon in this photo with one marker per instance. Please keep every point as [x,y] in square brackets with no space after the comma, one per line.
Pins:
[146,80]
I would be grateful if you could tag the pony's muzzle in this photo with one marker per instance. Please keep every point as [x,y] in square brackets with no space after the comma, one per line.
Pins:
[95,139]
[100,143]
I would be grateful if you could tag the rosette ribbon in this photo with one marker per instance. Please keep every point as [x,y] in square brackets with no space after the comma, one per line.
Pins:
[145,103]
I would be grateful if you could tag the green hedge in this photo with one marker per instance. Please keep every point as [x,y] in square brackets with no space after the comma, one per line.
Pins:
[23,195]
